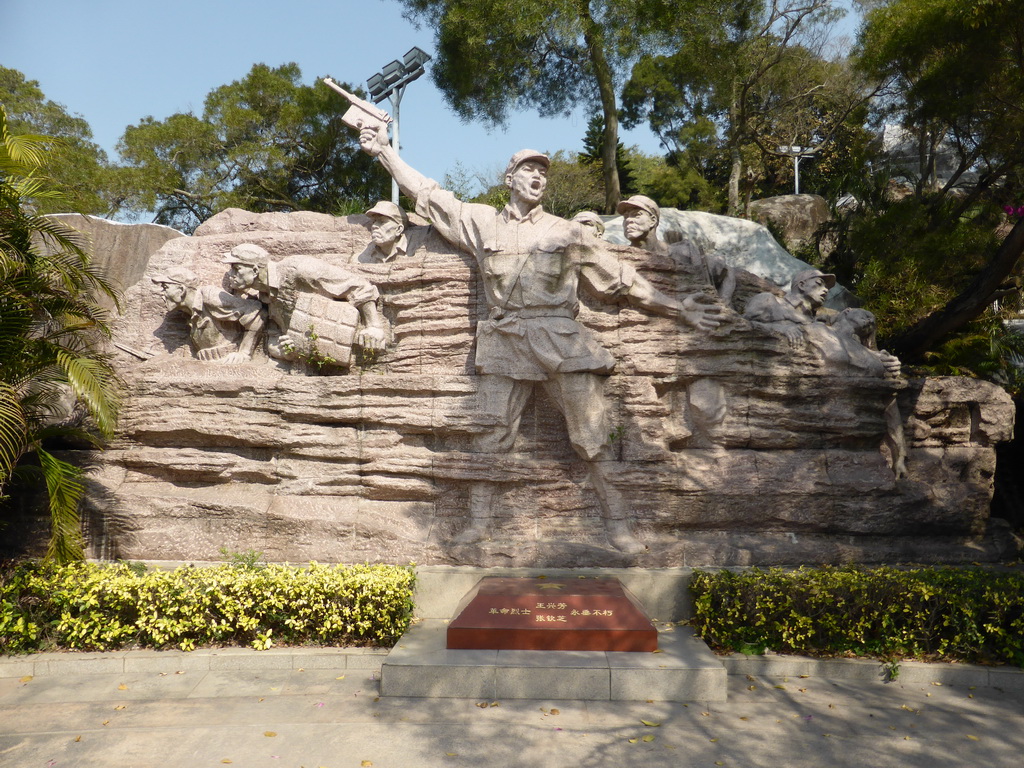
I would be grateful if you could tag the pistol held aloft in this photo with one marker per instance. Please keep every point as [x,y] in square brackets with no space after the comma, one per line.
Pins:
[361,114]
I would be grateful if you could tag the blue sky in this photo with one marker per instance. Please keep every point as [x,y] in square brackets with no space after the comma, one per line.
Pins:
[116,61]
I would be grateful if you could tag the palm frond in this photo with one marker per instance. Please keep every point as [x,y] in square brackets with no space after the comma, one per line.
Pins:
[24,152]
[13,428]
[50,323]
[65,488]
[96,386]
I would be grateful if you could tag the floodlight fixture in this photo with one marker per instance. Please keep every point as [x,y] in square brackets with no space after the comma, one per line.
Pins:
[413,61]
[392,73]
[375,86]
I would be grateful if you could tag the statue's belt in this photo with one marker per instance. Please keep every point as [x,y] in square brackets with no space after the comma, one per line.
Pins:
[530,313]
[508,321]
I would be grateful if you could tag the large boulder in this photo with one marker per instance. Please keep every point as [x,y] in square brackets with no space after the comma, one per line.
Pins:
[797,217]
[121,251]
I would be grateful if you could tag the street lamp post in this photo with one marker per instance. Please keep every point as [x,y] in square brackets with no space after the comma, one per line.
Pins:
[390,84]
[797,153]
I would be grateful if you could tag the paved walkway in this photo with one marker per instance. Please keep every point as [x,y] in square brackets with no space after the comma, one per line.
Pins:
[304,708]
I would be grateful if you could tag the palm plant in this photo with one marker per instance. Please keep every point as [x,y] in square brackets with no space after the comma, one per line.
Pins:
[49,327]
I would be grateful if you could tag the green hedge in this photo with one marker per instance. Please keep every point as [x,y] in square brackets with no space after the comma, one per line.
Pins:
[959,614]
[105,607]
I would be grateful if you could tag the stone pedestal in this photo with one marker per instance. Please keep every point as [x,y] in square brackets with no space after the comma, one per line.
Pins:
[533,614]
[683,670]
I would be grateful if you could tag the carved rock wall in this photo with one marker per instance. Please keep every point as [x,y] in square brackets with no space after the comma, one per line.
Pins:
[375,464]
[121,251]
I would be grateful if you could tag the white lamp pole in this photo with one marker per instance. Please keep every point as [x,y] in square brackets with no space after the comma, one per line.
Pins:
[796,153]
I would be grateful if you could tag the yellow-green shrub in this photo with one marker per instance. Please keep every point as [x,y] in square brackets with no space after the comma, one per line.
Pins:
[962,614]
[92,606]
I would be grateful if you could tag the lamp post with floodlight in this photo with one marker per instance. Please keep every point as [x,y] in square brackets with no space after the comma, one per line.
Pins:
[390,84]
[797,153]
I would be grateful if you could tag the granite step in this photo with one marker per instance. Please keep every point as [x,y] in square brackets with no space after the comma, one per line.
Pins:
[682,669]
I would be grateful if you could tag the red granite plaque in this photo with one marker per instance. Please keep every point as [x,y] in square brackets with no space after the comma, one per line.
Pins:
[532,614]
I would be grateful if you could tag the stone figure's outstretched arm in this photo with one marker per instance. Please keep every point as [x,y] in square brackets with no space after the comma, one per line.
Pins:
[771,314]
[248,313]
[250,338]
[696,309]
[343,285]
[375,143]
[603,275]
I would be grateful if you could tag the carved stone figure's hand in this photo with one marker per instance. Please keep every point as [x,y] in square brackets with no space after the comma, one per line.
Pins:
[899,468]
[372,140]
[793,333]
[891,362]
[235,358]
[701,311]
[284,348]
[371,338]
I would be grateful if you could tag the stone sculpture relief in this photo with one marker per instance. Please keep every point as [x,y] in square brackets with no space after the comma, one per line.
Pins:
[791,316]
[592,221]
[640,222]
[532,265]
[317,311]
[222,327]
[849,341]
[703,406]
[737,445]
[859,325]
[388,223]
[378,465]
[844,339]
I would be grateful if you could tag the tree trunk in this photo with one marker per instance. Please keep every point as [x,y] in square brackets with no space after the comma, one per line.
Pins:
[734,181]
[734,150]
[594,37]
[933,161]
[911,345]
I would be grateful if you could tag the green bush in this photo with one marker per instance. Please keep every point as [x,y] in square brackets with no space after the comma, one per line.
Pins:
[929,613]
[88,606]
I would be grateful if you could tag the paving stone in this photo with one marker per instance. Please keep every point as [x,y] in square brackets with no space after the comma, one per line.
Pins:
[439,681]
[947,674]
[16,666]
[165,661]
[668,684]
[273,718]
[79,664]
[244,658]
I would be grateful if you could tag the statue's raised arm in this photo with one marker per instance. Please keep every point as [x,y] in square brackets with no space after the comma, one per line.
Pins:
[374,141]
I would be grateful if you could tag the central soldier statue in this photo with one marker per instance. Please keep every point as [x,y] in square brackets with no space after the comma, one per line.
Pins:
[533,265]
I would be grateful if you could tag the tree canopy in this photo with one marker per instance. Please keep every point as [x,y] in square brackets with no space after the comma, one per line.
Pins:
[954,70]
[264,143]
[745,78]
[933,259]
[496,56]
[75,164]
